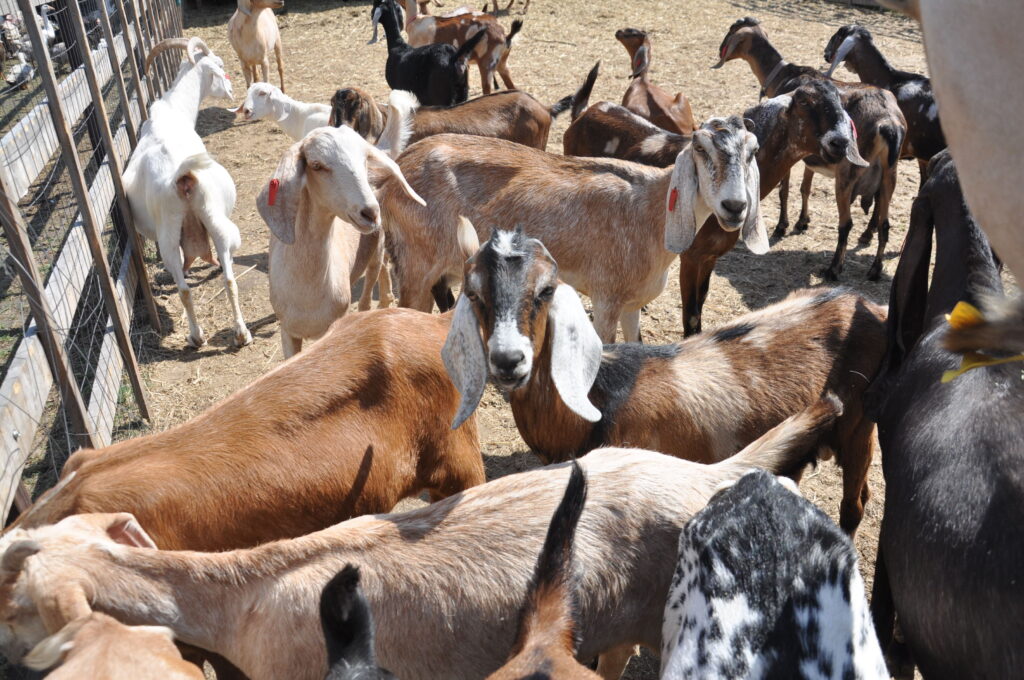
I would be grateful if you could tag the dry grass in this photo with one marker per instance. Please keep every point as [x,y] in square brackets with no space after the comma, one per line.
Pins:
[325,49]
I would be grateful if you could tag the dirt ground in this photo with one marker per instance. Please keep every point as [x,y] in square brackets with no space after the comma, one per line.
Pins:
[325,45]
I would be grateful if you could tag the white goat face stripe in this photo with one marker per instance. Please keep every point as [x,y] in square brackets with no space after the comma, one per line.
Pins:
[505,339]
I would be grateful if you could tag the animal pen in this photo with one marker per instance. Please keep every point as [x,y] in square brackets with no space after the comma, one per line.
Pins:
[73,265]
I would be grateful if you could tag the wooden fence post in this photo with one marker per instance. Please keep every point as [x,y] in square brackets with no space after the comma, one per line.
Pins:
[144,47]
[157,33]
[56,356]
[78,25]
[92,225]
[115,66]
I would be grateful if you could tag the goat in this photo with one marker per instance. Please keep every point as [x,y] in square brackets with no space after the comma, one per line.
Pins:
[315,441]
[567,201]
[445,582]
[436,74]
[702,399]
[952,454]
[348,629]
[853,45]
[325,224]
[253,33]
[97,646]
[646,99]
[297,119]
[491,54]
[876,116]
[546,642]
[767,586]
[515,116]
[971,55]
[180,197]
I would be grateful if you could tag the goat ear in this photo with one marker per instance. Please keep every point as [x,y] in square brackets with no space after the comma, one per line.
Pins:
[753,232]
[575,352]
[245,7]
[384,161]
[727,49]
[15,556]
[123,528]
[683,205]
[641,60]
[465,359]
[278,202]
[61,606]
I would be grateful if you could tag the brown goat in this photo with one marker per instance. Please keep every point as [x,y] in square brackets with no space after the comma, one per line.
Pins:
[98,646]
[546,642]
[702,399]
[323,437]
[879,122]
[646,99]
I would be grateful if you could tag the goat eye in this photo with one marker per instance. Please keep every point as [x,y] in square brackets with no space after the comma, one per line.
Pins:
[547,293]
[472,297]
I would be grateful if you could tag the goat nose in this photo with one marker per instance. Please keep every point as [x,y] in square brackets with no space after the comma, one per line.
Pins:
[734,206]
[507,361]
[370,214]
[838,143]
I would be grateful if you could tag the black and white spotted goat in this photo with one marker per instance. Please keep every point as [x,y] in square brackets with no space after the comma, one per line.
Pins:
[767,586]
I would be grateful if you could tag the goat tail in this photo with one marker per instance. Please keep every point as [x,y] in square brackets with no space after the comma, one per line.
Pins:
[185,179]
[791,444]
[517,25]
[467,47]
[469,242]
[581,100]
[402,106]
[346,619]
[561,106]
[551,590]
[893,136]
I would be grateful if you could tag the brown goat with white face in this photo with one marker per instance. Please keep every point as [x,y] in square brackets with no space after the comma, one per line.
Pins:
[702,399]
[646,99]
[636,216]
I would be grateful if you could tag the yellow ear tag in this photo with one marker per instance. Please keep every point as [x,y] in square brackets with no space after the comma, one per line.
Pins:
[966,315]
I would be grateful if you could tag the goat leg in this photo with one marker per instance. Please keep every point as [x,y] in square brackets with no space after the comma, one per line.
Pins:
[780,228]
[805,197]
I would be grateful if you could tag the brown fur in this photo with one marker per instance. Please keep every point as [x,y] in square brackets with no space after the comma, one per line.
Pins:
[354,424]
[357,109]
[100,647]
[646,99]
[444,582]
[610,131]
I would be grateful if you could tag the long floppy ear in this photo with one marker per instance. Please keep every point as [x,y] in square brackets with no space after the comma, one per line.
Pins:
[753,232]
[278,201]
[122,527]
[575,352]
[683,203]
[52,649]
[465,359]
[62,605]
[245,7]
[844,49]
[852,150]
[15,555]
[384,161]
[728,47]
[641,60]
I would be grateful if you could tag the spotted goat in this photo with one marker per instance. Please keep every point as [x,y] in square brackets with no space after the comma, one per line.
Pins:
[767,586]
[703,399]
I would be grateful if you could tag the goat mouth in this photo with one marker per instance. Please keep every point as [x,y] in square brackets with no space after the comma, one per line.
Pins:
[511,384]
[829,156]
[729,223]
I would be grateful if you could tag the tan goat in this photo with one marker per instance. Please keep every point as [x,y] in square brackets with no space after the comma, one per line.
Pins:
[701,399]
[631,218]
[646,99]
[351,426]
[445,582]
[97,646]
[253,32]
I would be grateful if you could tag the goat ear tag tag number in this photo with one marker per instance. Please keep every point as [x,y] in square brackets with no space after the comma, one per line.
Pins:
[672,197]
[274,185]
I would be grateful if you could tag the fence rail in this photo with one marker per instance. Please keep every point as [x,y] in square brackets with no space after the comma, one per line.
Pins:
[75,263]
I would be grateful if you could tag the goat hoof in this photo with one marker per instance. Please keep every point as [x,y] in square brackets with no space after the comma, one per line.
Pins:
[875,272]
[802,224]
[780,230]
[243,337]
[865,238]
[830,274]
[196,341]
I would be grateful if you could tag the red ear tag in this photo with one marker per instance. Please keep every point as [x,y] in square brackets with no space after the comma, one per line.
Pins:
[721,55]
[672,197]
[275,184]
[854,126]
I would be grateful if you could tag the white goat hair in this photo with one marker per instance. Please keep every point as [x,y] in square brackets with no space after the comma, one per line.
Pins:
[767,586]
[264,101]
[180,197]
[325,223]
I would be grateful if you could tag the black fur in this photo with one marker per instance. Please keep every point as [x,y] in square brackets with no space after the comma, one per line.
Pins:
[732,332]
[952,537]
[436,74]
[348,629]
[581,99]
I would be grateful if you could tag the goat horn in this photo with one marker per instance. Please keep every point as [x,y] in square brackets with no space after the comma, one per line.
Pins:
[196,41]
[169,44]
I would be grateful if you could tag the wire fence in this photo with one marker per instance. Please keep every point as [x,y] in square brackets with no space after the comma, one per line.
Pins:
[74,298]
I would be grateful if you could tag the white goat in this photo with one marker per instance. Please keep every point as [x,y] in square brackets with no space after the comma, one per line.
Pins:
[180,196]
[253,33]
[325,223]
[263,101]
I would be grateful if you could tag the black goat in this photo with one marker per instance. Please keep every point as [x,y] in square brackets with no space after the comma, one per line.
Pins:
[952,537]
[436,74]
[853,44]
[348,629]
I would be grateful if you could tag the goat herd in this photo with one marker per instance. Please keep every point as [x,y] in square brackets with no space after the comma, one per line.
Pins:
[248,533]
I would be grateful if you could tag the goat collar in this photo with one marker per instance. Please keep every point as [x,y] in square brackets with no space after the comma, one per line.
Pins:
[771,76]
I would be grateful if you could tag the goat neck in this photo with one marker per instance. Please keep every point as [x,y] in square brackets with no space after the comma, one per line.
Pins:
[870,65]
[187,92]
[392,31]
[777,152]
[763,59]
[964,267]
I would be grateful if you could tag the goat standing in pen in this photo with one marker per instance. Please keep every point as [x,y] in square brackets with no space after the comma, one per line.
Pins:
[952,536]
[297,119]
[445,582]
[253,33]
[702,399]
[180,197]
[646,99]
[567,202]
